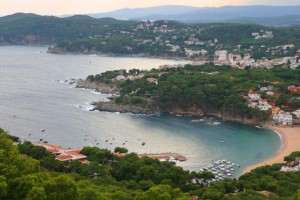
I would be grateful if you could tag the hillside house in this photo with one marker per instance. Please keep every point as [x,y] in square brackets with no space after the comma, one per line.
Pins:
[253,96]
[264,105]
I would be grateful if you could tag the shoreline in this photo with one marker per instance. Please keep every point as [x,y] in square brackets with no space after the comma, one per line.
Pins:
[290,137]
[110,54]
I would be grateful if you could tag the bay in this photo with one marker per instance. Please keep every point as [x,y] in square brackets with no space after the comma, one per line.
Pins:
[34,96]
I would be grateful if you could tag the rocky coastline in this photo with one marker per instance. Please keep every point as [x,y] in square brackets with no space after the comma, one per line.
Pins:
[111,106]
[98,87]
[150,108]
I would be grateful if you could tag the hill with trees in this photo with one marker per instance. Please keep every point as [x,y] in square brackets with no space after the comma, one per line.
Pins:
[205,89]
[31,173]
[161,38]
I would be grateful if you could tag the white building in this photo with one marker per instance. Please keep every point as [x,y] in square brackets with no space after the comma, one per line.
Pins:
[284,118]
[253,95]
[264,105]
[297,113]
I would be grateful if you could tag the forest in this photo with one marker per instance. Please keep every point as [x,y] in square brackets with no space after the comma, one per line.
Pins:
[162,38]
[208,89]
[31,173]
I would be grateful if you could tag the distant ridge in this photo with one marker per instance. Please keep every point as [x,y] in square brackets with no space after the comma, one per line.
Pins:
[188,14]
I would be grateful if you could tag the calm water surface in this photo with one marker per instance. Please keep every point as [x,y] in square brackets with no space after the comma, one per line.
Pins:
[33,96]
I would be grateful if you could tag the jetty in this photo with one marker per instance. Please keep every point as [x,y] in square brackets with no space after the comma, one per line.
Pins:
[164,156]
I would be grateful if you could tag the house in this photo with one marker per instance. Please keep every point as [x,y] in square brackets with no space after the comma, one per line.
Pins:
[62,153]
[284,118]
[263,89]
[264,105]
[152,80]
[275,110]
[293,89]
[120,78]
[221,55]
[253,95]
[297,113]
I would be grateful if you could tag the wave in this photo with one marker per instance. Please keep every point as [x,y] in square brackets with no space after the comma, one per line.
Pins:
[197,120]
[214,123]
[86,107]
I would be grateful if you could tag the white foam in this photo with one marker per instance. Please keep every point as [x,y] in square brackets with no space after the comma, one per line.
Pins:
[197,120]
[95,92]
[214,123]
[86,107]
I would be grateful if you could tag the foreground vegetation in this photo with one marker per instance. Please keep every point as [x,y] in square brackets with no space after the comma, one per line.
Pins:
[30,172]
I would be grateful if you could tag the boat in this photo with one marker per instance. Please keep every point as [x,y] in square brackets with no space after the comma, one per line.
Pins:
[43,130]
[171,159]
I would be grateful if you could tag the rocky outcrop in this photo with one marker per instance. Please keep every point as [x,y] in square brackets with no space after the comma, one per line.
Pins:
[114,107]
[97,86]
[56,50]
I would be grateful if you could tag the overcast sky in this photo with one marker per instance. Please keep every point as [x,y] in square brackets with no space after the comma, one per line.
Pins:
[59,7]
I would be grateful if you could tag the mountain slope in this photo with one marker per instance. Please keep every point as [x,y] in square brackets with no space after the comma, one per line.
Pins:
[21,28]
[204,14]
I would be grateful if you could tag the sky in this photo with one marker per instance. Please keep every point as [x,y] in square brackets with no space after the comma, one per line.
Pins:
[60,7]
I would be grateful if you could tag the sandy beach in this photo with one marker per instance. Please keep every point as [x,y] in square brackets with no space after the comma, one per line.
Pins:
[290,138]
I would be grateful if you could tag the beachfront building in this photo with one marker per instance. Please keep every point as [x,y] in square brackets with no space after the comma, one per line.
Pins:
[297,113]
[62,153]
[293,166]
[284,118]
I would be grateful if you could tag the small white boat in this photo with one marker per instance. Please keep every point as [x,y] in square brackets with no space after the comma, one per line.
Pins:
[171,159]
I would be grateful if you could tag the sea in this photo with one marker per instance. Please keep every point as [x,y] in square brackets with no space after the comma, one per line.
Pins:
[35,94]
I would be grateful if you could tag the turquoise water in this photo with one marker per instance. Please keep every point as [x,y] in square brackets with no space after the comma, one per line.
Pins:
[32,88]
